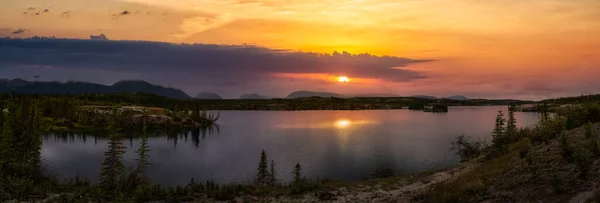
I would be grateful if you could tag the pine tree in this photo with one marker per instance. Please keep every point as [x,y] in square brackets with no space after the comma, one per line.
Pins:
[262,172]
[498,134]
[511,124]
[34,141]
[7,140]
[272,174]
[297,173]
[112,166]
[142,160]
[544,112]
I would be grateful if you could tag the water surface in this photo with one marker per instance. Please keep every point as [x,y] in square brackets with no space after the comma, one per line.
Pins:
[340,145]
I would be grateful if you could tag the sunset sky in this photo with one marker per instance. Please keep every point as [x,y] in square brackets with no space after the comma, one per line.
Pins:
[526,49]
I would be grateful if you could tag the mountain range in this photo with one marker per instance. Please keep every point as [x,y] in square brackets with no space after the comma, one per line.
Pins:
[20,86]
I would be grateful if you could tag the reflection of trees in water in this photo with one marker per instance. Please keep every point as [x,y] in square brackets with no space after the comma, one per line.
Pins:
[196,134]
[174,135]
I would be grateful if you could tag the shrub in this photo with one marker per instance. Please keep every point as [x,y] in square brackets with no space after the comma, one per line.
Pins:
[567,150]
[583,160]
[467,149]
[548,129]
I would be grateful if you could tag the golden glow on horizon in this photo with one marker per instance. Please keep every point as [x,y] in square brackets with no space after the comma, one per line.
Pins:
[343,79]
[343,123]
[476,47]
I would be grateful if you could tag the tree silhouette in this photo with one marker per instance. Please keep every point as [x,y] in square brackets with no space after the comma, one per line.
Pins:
[498,134]
[112,166]
[141,179]
[262,172]
[272,174]
[511,124]
[297,173]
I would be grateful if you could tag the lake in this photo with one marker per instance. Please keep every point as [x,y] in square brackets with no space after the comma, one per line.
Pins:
[338,145]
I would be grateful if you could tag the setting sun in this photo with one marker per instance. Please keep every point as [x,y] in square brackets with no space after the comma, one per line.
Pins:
[343,79]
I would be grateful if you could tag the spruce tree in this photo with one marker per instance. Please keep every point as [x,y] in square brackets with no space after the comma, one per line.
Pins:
[498,134]
[297,173]
[112,166]
[272,174]
[511,124]
[262,172]
[7,140]
[142,160]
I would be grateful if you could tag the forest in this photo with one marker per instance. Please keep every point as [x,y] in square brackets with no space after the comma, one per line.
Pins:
[26,119]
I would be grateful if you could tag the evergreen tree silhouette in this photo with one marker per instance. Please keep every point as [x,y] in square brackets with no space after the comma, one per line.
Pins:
[262,172]
[112,166]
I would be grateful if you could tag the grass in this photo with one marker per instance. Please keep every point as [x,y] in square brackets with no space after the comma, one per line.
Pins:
[472,184]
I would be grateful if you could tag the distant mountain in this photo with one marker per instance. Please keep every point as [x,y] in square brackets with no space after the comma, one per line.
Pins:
[458,98]
[374,95]
[21,86]
[208,95]
[253,96]
[303,94]
[424,97]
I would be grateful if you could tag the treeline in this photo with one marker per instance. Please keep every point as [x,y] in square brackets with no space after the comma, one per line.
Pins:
[311,103]
[96,112]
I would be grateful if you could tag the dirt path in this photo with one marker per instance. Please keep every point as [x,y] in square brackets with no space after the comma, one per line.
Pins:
[400,191]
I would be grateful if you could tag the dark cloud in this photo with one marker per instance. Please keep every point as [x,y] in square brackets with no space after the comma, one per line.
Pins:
[195,64]
[19,31]
[121,14]
[46,10]
[98,37]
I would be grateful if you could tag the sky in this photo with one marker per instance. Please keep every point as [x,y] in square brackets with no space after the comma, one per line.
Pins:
[527,49]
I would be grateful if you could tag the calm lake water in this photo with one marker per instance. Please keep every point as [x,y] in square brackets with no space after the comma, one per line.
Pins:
[339,145]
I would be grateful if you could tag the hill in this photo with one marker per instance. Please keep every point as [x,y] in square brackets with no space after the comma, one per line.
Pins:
[20,86]
[458,98]
[253,96]
[208,95]
[304,94]
[424,97]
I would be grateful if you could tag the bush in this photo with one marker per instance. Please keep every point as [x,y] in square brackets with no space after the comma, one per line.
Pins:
[579,114]
[548,129]
[466,148]
[583,160]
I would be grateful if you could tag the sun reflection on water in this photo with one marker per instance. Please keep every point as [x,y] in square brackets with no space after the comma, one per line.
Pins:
[342,123]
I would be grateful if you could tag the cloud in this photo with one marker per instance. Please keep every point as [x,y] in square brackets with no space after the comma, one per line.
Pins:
[65,14]
[98,37]
[200,24]
[20,31]
[121,13]
[196,64]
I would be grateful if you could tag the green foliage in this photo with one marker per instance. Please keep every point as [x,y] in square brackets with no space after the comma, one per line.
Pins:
[297,174]
[548,129]
[272,174]
[262,172]
[467,149]
[583,160]
[138,177]
[579,114]
[589,132]
[511,125]
[499,140]
[113,167]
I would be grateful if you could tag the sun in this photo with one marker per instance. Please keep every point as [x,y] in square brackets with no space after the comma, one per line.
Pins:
[343,79]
